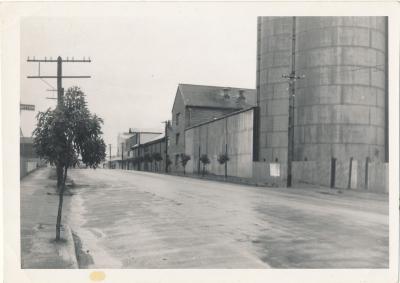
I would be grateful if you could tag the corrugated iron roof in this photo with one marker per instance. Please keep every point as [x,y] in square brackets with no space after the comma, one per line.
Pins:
[217,96]
[160,136]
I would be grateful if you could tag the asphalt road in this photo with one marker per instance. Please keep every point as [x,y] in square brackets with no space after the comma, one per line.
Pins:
[130,219]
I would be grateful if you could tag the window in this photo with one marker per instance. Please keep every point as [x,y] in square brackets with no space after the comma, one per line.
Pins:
[177,118]
[177,138]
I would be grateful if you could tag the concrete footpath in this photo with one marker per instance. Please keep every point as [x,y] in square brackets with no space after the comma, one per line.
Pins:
[39,204]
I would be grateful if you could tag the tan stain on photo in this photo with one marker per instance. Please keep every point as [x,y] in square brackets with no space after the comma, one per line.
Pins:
[97,276]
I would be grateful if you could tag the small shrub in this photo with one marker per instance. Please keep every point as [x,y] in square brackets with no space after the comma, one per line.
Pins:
[223,158]
[205,160]
[184,160]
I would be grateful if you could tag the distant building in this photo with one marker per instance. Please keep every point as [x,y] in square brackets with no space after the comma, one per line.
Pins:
[195,104]
[29,160]
[149,154]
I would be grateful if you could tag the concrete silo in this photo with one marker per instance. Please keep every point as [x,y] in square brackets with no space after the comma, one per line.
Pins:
[340,104]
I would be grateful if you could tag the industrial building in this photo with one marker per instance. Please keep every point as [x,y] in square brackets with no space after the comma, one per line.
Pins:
[29,160]
[319,114]
[128,141]
[148,152]
[231,134]
[195,104]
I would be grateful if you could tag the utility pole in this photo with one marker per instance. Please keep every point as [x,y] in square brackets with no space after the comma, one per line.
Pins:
[60,94]
[122,155]
[166,145]
[292,77]
[109,163]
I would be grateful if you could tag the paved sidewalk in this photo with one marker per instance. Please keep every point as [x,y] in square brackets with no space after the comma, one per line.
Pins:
[39,204]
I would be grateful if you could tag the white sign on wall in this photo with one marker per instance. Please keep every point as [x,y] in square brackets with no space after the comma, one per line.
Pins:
[274,169]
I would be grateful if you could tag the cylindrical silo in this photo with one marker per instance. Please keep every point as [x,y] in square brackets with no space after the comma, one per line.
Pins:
[340,104]
[273,60]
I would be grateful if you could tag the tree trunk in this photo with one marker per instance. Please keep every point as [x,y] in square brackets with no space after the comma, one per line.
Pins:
[204,169]
[60,204]
[59,171]
[184,170]
[226,170]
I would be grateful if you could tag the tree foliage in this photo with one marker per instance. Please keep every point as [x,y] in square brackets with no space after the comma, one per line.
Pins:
[184,160]
[223,158]
[157,156]
[68,132]
[148,157]
[205,160]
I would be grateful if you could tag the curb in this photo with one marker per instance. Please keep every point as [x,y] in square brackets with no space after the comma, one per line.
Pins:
[71,251]
[46,253]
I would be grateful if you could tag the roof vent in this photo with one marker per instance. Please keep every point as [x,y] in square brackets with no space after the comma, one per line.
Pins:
[241,98]
[226,93]
[241,94]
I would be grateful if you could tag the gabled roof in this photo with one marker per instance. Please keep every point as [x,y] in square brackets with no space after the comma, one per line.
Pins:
[214,96]
[156,138]
[146,130]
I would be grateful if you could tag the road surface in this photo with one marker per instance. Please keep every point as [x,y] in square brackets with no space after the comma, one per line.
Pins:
[130,219]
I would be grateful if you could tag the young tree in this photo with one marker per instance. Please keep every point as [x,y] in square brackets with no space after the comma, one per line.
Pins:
[147,159]
[184,160]
[205,160]
[66,133]
[139,161]
[168,163]
[223,160]
[157,158]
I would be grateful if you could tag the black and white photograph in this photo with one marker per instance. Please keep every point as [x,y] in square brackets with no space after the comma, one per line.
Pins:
[192,138]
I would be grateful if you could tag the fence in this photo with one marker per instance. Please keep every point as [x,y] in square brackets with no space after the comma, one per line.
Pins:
[353,174]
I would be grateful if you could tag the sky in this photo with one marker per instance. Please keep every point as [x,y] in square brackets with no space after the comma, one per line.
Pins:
[137,62]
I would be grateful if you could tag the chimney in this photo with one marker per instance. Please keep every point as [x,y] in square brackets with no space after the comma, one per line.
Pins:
[226,93]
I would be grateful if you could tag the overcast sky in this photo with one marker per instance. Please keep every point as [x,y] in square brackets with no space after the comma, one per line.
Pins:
[137,62]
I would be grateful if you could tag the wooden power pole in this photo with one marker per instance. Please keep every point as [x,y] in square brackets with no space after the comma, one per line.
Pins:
[292,77]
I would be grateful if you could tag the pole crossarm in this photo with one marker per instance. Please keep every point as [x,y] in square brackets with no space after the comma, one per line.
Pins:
[63,60]
[292,77]
[59,76]
[55,77]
